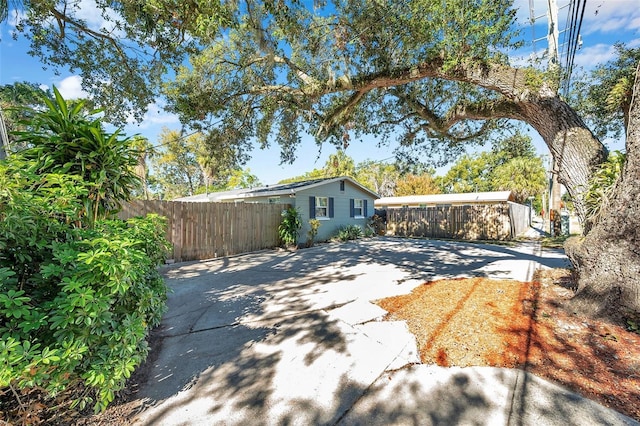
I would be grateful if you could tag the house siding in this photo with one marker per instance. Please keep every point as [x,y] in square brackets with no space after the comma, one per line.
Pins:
[341,208]
[340,205]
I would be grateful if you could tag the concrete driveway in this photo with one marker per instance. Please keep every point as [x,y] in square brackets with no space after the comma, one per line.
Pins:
[279,338]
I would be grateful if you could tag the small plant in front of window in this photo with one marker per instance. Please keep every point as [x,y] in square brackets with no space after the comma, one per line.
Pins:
[289,228]
[314,224]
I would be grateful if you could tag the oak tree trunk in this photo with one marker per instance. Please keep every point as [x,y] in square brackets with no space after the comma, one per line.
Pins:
[607,259]
[576,151]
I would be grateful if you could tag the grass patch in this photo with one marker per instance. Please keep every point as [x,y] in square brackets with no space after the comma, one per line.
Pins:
[553,242]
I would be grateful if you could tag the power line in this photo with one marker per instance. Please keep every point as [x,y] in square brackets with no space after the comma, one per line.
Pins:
[571,38]
[576,43]
[570,30]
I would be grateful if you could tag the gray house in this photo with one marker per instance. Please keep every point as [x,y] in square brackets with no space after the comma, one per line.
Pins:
[335,202]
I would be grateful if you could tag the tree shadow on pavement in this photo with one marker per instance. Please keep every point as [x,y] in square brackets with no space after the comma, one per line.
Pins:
[248,338]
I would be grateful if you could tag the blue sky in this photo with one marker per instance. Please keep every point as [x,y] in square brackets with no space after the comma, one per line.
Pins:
[605,22]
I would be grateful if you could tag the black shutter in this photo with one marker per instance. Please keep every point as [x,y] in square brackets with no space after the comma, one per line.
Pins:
[351,207]
[365,213]
[312,207]
[331,207]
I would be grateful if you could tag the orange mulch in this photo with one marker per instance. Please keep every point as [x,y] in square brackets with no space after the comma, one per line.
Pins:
[478,321]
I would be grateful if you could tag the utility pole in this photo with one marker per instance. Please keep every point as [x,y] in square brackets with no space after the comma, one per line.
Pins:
[552,34]
[554,64]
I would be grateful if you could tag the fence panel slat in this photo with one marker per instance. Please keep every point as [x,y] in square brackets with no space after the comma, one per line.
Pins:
[206,230]
[478,222]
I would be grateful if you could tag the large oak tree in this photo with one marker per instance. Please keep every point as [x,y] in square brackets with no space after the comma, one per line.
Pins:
[607,259]
[433,75]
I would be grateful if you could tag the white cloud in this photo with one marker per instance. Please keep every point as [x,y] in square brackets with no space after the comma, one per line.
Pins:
[155,116]
[71,88]
[632,44]
[614,23]
[15,16]
[612,16]
[599,53]
[96,19]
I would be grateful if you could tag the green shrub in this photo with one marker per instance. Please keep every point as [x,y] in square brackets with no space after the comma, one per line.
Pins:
[78,294]
[349,232]
[76,304]
[369,232]
[601,185]
[64,138]
[314,224]
[289,229]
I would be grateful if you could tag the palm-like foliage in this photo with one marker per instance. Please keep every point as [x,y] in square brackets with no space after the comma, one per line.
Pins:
[64,138]
[524,176]
[601,186]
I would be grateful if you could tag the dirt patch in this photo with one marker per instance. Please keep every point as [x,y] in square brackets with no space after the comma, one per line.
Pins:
[483,322]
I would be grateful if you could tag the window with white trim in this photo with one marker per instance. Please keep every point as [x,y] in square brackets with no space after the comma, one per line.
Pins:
[274,200]
[358,208]
[322,207]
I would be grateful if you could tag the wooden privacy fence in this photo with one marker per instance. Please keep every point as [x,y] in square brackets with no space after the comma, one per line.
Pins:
[207,230]
[520,216]
[481,222]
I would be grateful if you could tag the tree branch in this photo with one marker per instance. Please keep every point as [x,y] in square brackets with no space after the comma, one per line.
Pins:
[63,19]
[510,82]
[338,114]
[486,110]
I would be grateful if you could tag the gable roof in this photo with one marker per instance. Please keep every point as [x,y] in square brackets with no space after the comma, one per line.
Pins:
[274,190]
[470,197]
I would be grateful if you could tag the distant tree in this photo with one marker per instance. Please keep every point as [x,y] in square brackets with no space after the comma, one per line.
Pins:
[339,164]
[603,97]
[178,171]
[145,150]
[313,174]
[524,176]
[498,169]
[217,160]
[239,178]
[423,184]
[471,173]
[516,145]
[18,101]
[380,177]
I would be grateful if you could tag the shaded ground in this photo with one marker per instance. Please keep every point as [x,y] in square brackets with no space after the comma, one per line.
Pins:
[264,304]
[483,322]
